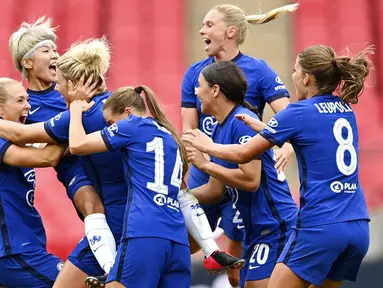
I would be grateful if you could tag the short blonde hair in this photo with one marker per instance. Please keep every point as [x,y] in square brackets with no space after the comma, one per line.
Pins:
[4,84]
[235,16]
[89,57]
[27,37]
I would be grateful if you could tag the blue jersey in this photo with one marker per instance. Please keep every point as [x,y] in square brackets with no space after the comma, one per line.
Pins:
[271,208]
[324,134]
[104,170]
[153,174]
[45,105]
[264,85]
[21,227]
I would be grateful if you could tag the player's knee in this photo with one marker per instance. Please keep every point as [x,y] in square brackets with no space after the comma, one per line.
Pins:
[87,201]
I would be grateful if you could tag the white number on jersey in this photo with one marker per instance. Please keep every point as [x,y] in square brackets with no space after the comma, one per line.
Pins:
[158,186]
[345,144]
[260,254]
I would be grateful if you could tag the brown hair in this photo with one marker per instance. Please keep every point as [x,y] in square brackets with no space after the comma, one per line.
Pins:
[131,97]
[343,74]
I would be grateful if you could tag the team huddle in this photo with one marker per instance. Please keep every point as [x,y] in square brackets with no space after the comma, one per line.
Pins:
[149,198]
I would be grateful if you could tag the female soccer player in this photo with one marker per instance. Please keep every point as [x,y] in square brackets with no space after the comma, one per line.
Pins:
[261,194]
[224,29]
[332,234]
[154,251]
[24,260]
[105,170]
[34,53]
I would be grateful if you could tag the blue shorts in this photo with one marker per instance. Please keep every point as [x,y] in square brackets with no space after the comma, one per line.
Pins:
[82,257]
[152,262]
[34,269]
[231,221]
[262,256]
[332,251]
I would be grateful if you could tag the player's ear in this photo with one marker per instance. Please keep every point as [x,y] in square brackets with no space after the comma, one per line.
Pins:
[128,111]
[27,63]
[306,79]
[231,32]
[216,90]
[1,111]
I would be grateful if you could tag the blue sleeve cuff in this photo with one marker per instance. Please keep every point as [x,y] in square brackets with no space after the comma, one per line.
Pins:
[3,150]
[278,96]
[106,140]
[188,105]
[53,136]
[271,139]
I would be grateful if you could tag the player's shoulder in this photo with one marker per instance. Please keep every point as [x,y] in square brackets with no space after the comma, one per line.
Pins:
[247,61]
[196,67]
[99,100]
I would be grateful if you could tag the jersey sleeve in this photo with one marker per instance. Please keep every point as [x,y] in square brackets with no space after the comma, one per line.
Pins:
[4,145]
[188,97]
[284,126]
[243,133]
[120,134]
[270,85]
[58,127]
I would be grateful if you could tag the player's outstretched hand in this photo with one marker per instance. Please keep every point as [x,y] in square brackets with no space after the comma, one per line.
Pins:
[254,124]
[196,157]
[197,139]
[282,157]
[81,90]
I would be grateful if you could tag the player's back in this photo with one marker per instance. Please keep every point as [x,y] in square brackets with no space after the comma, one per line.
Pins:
[153,173]
[326,146]
[21,227]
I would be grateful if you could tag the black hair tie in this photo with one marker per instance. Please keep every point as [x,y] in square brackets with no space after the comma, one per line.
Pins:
[138,89]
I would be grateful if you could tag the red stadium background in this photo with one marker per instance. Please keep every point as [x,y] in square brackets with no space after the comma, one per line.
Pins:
[150,45]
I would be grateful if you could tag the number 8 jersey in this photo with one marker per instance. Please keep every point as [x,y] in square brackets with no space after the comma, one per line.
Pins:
[153,173]
[324,134]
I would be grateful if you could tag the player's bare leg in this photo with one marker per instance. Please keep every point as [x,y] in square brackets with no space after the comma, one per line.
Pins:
[114,284]
[283,277]
[70,276]
[234,248]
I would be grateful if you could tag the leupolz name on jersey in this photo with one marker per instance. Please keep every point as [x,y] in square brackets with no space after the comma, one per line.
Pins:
[333,107]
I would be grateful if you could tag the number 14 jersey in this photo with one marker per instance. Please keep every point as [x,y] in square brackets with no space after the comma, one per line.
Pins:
[153,173]
[324,134]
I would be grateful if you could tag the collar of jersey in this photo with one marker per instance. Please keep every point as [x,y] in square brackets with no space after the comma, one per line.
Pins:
[235,59]
[229,115]
[29,91]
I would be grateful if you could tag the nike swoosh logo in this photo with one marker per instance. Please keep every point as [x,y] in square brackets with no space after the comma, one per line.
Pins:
[253,267]
[240,226]
[34,111]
